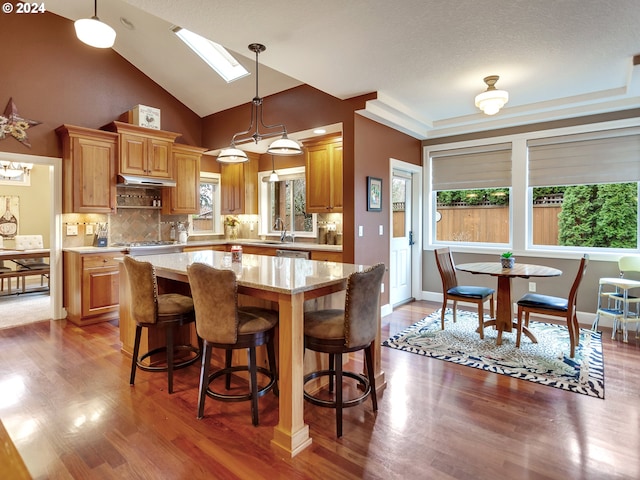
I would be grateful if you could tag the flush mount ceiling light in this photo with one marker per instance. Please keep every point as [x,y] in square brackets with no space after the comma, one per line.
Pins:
[492,100]
[93,32]
[282,146]
[214,55]
[14,169]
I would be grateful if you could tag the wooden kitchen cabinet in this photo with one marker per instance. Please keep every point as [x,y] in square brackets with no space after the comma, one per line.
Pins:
[323,170]
[239,187]
[326,256]
[144,151]
[184,198]
[88,169]
[91,286]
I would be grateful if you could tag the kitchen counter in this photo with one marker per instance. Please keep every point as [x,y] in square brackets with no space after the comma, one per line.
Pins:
[310,247]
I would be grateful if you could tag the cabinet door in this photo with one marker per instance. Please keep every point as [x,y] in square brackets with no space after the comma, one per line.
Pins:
[159,160]
[184,198]
[94,181]
[133,154]
[336,178]
[100,285]
[318,178]
[232,189]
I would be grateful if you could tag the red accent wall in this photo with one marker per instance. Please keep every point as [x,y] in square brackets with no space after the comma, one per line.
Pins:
[54,78]
[375,145]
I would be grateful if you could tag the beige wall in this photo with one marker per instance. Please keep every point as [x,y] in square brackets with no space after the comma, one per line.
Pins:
[35,208]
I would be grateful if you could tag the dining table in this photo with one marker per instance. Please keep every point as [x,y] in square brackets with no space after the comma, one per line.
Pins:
[504,321]
[15,256]
[293,284]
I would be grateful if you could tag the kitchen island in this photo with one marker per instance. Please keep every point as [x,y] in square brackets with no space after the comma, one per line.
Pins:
[285,282]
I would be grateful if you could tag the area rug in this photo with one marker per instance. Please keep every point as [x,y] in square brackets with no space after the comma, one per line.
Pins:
[18,310]
[546,362]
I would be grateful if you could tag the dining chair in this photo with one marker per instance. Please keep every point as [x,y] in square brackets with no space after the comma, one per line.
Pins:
[555,306]
[339,332]
[165,312]
[4,269]
[461,293]
[31,242]
[615,299]
[221,323]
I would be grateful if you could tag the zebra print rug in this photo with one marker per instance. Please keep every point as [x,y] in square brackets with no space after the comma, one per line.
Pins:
[546,362]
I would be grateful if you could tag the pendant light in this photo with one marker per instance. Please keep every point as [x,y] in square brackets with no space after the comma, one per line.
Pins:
[491,100]
[274,176]
[282,146]
[93,32]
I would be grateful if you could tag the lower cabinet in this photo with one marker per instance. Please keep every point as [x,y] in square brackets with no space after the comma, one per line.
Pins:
[91,286]
[326,256]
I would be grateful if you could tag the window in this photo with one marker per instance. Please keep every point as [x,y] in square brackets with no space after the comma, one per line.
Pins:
[471,191]
[584,189]
[208,221]
[286,200]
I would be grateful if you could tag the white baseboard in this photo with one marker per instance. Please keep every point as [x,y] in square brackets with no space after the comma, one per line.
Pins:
[585,319]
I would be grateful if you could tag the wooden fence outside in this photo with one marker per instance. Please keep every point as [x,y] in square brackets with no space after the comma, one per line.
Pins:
[490,224]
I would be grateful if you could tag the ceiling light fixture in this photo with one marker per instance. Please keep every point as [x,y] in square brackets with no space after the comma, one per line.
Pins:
[93,32]
[213,54]
[492,100]
[274,176]
[14,169]
[282,146]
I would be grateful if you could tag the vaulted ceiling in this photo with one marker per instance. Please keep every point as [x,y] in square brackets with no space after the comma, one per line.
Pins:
[425,58]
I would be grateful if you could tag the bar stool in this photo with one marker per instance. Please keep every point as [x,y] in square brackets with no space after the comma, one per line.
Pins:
[337,332]
[615,300]
[222,324]
[150,310]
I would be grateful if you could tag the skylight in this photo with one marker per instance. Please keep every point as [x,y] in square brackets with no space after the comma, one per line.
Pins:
[213,54]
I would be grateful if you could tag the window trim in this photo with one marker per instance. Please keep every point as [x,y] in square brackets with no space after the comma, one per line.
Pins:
[217,216]
[263,205]
[520,194]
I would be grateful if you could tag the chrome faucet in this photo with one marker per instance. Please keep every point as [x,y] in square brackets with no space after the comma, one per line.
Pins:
[279,224]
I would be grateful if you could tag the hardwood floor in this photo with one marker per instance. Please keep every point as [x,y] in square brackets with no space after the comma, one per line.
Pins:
[66,403]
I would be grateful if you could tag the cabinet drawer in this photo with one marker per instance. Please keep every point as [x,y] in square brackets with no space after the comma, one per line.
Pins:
[96,261]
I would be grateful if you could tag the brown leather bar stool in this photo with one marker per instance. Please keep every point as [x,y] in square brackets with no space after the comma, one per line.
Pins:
[150,310]
[222,324]
[337,332]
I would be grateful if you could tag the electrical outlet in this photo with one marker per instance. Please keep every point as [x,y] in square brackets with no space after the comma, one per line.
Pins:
[382,288]
[532,286]
[88,230]
[72,230]
[380,230]
[360,230]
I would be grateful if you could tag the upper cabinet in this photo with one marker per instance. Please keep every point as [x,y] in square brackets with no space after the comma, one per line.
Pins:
[239,187]
[88,169]
[184,198]
[323,168]
[144,151]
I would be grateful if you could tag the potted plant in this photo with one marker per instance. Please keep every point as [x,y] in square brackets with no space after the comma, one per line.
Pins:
[507,259]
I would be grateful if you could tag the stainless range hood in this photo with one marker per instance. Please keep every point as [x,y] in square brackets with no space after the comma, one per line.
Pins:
[134,181]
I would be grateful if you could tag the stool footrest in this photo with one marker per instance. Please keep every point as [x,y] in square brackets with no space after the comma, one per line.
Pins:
[176,365]
[361,379]
[227,397]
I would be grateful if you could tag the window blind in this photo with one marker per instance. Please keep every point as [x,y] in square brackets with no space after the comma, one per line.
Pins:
[611,156]
[487,166]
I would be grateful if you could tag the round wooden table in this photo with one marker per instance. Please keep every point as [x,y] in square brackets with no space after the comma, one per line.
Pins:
[504,311]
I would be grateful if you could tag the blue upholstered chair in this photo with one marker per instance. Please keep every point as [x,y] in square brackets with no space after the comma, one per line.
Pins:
[555,306]
[461,293]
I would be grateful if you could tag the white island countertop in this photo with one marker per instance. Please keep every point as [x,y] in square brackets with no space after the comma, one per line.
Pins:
[276,274]
[289,282]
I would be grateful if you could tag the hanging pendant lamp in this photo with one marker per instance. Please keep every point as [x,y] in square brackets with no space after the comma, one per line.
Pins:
[274,176]
[282,146]
[93,32]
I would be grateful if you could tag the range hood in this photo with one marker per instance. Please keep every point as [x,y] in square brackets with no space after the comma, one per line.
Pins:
[135,181]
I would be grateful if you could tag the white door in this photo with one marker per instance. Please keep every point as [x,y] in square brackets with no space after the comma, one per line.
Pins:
[401,238]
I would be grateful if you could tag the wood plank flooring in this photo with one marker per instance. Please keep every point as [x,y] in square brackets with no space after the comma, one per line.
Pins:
[66,403]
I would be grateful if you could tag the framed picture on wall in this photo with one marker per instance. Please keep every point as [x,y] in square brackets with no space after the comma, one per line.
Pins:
[374,194]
